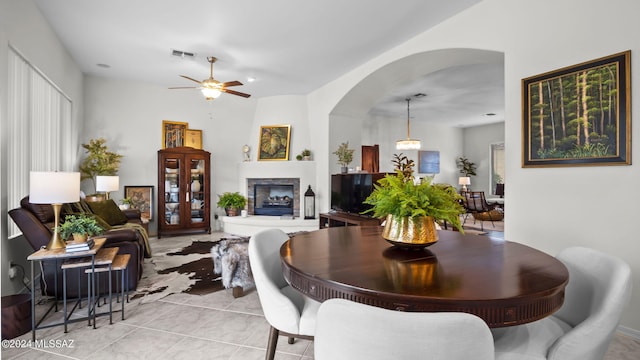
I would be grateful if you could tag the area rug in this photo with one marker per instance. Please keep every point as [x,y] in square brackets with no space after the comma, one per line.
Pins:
[186,268]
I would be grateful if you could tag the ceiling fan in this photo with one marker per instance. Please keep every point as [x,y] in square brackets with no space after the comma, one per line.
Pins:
[212,88]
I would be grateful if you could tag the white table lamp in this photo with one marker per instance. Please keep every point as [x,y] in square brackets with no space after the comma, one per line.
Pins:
[55,188]
[107,184]
[464,181]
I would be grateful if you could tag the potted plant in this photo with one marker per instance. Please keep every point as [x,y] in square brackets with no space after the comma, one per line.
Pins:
[411,208]
[345,156]
[304,155]
[126,203]
[466,167]
[80,227]
[99,161]
[232,202]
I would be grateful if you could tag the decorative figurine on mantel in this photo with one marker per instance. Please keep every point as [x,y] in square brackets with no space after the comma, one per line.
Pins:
[245,151]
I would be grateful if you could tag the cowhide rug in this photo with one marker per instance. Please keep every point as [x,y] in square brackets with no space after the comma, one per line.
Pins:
[188,267]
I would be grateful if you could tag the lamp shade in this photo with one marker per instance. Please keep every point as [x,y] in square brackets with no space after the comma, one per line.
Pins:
[107,183]
[464,180]
[48,187]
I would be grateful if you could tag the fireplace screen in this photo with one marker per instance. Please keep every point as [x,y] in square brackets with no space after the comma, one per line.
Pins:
[273,199]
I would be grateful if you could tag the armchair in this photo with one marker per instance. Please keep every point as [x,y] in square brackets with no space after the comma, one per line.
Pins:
[475,203]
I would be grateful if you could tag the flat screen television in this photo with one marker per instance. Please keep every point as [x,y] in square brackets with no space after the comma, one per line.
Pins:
[348,191]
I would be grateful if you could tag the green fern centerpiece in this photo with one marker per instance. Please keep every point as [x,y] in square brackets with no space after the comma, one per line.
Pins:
[400,198]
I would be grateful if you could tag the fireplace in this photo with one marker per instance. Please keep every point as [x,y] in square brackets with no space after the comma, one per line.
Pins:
[273,199]
[274,196]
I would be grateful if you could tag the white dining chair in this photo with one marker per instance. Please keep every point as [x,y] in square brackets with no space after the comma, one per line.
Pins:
[599,288]
[288,312]
[349,330]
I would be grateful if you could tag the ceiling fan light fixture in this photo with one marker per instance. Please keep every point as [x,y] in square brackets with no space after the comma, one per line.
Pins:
[211,94]
[409,143]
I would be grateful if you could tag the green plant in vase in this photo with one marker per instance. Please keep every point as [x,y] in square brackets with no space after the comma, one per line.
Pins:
[412,207]
[345,156]
[99,161]
[80,227]
[232,202]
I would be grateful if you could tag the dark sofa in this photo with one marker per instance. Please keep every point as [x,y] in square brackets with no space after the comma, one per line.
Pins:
[36,222]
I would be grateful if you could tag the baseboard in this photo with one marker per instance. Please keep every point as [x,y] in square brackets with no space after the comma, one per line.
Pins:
[629,332]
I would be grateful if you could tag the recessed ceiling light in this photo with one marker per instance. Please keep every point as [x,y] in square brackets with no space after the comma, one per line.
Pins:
[251,79]
[103,66]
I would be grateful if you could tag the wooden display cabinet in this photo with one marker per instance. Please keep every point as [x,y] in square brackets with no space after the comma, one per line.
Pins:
[183,191]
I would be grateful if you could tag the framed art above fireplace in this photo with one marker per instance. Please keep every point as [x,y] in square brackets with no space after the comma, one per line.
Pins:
[274,142]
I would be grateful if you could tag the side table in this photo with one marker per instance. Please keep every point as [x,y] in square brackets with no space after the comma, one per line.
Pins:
[104,257]
[55,255]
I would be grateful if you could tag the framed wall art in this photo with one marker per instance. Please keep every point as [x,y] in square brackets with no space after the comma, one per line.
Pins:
[429,162]
[193,138]
[142,198]
[274,142]
[579,115]
[173,133]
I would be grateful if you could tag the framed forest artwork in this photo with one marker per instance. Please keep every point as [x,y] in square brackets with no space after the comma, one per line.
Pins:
[579,115]
[274,142]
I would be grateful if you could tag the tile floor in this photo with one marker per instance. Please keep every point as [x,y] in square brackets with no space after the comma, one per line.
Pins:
[182,326]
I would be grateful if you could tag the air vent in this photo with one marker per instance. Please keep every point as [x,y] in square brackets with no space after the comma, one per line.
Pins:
[183,54]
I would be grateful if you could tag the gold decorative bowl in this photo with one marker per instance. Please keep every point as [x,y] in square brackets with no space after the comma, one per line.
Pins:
[407,232]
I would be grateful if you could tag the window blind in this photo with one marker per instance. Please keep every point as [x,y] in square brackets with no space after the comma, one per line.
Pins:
[39,118]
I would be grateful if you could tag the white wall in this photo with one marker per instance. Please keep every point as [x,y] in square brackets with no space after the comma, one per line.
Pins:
[22,27]
[477,148]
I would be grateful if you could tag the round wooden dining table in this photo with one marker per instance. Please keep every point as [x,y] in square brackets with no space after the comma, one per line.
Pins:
[504,283]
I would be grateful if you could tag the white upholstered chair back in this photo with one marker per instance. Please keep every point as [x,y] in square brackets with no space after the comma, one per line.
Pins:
[599,289]
[286,310]
[349,330]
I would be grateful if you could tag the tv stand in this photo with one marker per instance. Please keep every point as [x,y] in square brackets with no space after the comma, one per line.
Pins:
[335,219]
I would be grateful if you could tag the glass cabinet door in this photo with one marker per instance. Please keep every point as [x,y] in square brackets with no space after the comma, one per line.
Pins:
[197,187]
[172,191]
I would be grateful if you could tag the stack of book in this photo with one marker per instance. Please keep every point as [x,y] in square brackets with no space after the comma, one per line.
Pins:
[84,246]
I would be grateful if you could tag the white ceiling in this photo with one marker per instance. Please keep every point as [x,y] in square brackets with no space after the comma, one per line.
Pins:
[290,47]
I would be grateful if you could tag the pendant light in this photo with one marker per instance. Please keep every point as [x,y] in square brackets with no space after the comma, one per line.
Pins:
[409,143]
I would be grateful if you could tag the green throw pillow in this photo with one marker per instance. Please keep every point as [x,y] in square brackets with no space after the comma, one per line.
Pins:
[109,211]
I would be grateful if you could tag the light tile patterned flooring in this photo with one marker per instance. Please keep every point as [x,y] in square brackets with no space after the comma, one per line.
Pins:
[182,326]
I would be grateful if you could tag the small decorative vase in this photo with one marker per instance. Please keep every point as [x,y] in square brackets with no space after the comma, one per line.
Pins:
[195,185]
[231,211]
[407,232]
[344,169]
[80,238]
[124,207]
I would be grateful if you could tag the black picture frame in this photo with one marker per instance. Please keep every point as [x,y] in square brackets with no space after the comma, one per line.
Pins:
[579,115]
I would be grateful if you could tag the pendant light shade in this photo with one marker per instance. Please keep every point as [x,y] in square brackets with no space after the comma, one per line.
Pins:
[409,143]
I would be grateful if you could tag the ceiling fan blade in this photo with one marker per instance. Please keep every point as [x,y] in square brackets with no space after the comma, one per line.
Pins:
[235,93]
[184,87]
[231,83]
[192,79]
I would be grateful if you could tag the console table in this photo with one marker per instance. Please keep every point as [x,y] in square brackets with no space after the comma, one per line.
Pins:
[346,219]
